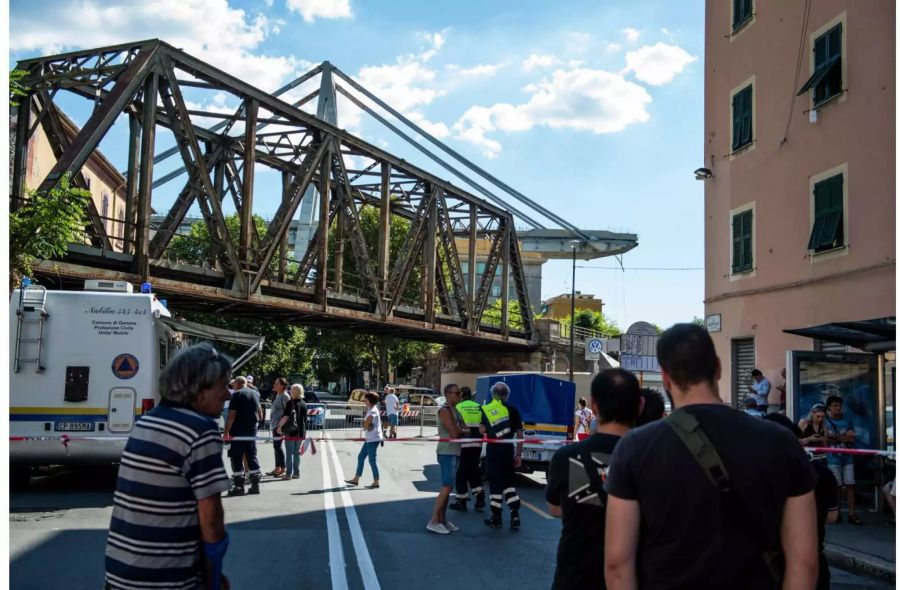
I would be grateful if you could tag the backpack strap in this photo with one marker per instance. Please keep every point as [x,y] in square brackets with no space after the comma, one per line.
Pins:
[686,426]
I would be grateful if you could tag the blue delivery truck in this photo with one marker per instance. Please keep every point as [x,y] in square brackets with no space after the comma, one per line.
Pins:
[547,406]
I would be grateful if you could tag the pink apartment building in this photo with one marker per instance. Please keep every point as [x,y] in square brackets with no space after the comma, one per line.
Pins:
[799,151]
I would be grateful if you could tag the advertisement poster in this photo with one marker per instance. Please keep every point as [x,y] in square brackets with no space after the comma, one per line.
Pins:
[853,377]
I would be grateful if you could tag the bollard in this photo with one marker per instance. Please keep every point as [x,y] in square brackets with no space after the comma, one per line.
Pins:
[421,415]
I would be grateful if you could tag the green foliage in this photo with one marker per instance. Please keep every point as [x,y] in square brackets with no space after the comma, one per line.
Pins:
[197,247]
[45,225]
[494,313]
[698,322]
[369,220]
[285,352]
[595,320]
[16,88]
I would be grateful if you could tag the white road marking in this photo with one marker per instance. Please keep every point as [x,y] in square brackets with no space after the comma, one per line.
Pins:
[363,559]
[535,509]
[336,561]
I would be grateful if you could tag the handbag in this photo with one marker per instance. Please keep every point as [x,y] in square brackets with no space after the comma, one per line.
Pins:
[688,429]
[290,427]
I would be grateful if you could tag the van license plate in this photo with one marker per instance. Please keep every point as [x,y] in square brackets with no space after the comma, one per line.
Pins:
[531,455]
[74,427]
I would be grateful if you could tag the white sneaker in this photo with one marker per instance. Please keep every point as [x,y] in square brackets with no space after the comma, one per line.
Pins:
[451,527]
[437,528]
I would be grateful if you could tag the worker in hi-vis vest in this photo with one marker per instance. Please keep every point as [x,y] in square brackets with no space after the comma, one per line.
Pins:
[503,421]
[468,474]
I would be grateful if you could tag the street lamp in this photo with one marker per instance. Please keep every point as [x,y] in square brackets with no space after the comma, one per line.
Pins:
[574,244]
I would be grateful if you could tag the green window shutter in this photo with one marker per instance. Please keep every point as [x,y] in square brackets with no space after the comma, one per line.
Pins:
[742,118]
[747,124]
[736,121]
[828,203]
[748,239]
[736,256]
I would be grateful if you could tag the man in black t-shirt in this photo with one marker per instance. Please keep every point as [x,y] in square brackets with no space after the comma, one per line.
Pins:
[667,526]
[244,413]
[828,503]
[576,494]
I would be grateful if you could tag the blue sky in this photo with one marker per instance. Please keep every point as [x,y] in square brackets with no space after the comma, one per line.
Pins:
[592,108]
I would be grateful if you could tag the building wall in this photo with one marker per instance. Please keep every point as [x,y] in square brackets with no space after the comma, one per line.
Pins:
[105,184]
[789,286]
[561,305]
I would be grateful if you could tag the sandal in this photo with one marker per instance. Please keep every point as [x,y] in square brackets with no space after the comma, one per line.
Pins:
[853,519]
[351,482]
[373,486]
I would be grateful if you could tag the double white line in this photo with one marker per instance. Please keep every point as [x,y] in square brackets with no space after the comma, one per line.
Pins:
[336,562]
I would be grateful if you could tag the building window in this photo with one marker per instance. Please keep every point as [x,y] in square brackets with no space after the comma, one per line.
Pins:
[825,81]
[742,240]
[741,14]
[480,268]
[495,290]
[742,118]
[828,227]
[743,361]
[465,267]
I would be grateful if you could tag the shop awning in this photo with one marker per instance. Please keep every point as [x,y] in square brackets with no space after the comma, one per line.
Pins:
[878,335]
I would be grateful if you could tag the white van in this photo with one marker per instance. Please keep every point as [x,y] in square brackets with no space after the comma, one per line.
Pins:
[85,364]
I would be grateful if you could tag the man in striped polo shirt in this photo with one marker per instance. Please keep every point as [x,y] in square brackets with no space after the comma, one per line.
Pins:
[168,526]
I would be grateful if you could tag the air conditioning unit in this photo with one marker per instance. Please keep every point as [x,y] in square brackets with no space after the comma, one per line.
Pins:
[108,286]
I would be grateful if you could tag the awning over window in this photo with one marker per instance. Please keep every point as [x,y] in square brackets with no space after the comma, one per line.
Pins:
[877,335]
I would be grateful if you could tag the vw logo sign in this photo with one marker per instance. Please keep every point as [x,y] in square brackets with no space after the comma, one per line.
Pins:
[595,345]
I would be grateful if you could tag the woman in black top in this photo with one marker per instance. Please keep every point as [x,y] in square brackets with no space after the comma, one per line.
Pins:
[293,426]
[813,428]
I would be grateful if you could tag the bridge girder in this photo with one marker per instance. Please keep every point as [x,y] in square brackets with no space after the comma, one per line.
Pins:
[424,283]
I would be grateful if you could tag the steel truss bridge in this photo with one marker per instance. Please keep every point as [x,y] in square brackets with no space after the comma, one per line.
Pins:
[420,292]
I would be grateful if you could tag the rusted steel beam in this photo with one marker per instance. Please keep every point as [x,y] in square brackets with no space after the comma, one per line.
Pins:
[20,156]
[102,118]
[280,223]
[504,283]
[384,237]
[324,220]
[490,270]
[473,265]
[251,108]
[518,270]
[145,182]
[430,255]
[131,182]
[240,279]
[283,241]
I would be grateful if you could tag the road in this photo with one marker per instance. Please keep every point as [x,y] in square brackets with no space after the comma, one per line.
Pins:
[310,533]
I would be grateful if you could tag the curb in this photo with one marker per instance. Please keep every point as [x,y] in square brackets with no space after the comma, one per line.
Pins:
[860,563]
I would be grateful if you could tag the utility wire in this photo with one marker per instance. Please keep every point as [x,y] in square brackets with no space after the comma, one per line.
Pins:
[803,30]
[639,267]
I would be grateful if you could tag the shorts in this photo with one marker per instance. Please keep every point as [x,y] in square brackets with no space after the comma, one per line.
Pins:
[448,465]
[393,419]
[844,474]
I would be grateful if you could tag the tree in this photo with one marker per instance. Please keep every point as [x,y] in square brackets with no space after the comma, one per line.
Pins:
[44,226]
[16,88]
[494,313]
[698,322]
[595,320]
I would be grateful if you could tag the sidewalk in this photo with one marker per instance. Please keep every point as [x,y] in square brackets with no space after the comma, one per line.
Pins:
[867,550]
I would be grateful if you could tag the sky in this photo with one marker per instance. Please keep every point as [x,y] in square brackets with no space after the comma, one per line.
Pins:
[592,108]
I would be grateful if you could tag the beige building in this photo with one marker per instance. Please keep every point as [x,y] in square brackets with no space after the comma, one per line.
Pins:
[106,185]
[799,160]
[560,306]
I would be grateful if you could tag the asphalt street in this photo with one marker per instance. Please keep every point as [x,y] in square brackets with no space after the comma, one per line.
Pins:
[314,532]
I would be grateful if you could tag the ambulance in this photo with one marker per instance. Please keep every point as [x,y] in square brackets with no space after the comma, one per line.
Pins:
[84,366]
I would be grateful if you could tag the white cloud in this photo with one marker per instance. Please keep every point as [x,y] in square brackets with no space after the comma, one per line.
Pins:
[534,61]
[310,10]
[613,47]
[658,64]
[631,34]
[212,30]
[436,39]
[581,99]
[439,130]
[479,70]
[668,33]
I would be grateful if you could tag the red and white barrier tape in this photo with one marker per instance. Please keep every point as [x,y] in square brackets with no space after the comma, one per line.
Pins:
[67,439]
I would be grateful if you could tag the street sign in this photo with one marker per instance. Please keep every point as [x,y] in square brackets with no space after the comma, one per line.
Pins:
[639,362]
[639,348]
[592,348]
[714,323]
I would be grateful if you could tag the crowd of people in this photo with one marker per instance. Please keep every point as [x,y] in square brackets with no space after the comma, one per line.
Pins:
[646,500]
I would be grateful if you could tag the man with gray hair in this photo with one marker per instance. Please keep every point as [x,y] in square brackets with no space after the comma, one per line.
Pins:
[168,526]
[502,421]
[244,414]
